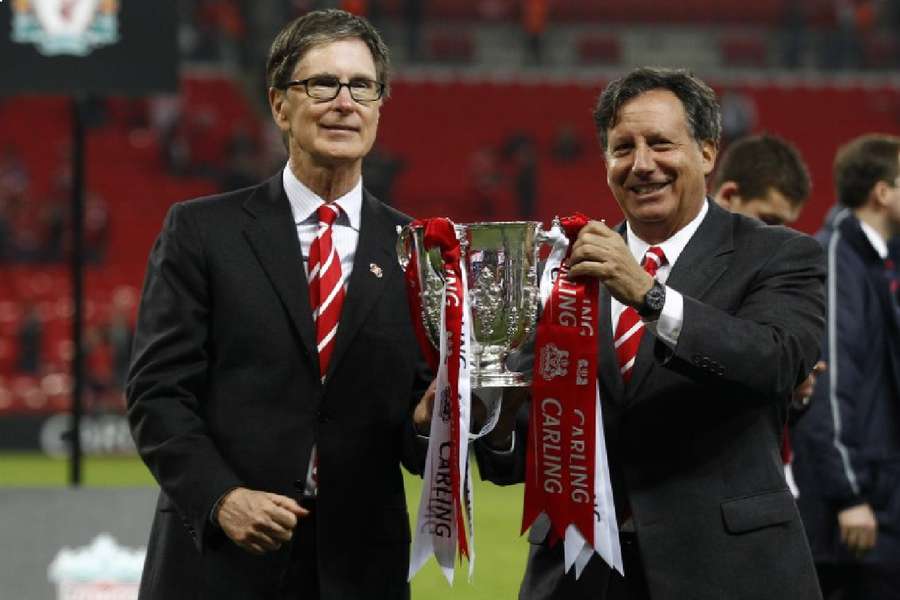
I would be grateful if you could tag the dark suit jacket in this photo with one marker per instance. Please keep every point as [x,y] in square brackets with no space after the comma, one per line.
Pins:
[694,438]
[847,448]
[224,391]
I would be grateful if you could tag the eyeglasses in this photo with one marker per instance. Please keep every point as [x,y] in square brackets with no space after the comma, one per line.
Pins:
[326,87]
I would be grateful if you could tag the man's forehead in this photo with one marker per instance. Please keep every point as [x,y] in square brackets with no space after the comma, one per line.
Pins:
[774,203]
[659,106]
[345,53]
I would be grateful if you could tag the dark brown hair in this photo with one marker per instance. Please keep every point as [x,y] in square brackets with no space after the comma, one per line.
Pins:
[322,27]
[761,162]
[862,163]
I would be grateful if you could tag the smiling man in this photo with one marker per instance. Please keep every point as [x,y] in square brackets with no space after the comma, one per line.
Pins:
[699,352]
[275,366]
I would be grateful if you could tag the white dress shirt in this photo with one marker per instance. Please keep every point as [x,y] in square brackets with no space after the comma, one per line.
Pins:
[344,232]
[668,327]
[875,239]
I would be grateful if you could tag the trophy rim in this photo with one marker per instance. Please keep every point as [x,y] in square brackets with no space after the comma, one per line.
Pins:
[495,223]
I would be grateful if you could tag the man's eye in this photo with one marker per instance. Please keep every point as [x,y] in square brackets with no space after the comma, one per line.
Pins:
[323,82]
[361,84]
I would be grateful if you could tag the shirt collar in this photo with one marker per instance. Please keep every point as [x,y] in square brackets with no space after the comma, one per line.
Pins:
[875,239]
[672,247]
[304,201]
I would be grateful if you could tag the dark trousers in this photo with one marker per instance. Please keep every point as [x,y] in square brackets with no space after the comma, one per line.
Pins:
[301,578]
[859,581]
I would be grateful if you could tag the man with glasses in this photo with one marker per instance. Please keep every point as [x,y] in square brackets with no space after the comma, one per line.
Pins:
[275,366]
[847,447]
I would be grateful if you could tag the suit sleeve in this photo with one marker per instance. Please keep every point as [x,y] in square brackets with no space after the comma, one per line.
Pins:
[505,467]
[770,342]
[167,380]
[832,423]
[415,447]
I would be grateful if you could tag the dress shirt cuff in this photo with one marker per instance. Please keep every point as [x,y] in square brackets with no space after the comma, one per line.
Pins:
[668,327]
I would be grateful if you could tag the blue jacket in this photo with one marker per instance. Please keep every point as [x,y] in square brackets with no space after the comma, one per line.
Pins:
[847,448]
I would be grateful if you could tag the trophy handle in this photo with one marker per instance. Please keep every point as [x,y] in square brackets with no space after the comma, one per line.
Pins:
[406,245]
[546,239]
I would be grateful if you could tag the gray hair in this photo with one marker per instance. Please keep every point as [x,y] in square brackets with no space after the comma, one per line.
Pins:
[699,100]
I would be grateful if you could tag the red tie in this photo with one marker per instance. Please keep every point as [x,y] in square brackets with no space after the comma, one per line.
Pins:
[326,285]
[630,328]
[326,297]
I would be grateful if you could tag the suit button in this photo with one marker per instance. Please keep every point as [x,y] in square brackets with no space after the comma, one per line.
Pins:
[322,418]
[299,484]
[696,359]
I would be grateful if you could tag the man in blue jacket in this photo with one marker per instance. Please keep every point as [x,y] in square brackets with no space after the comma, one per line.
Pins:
[847,450]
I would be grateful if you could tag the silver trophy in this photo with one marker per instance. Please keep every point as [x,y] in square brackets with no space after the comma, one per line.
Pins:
[503,263]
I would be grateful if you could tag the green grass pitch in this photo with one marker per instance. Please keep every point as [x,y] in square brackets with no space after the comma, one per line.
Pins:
[500,551]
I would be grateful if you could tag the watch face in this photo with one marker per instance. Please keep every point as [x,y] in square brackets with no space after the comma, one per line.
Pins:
[656,297]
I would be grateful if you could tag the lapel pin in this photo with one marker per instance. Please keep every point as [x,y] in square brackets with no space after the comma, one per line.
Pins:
[376,270]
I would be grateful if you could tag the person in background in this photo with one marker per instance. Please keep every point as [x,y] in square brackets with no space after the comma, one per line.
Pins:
[764,177]
[847,447]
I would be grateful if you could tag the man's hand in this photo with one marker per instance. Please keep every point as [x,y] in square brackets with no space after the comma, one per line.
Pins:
[804,391]
[859,528]
[602,253]
[258,522]
[423,410]
[499,437]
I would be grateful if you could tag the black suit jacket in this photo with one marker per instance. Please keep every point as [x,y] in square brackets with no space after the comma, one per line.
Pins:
[694,438]
[224,391]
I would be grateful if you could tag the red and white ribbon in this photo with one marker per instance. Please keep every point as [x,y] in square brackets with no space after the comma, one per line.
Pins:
[444,523]
[567,468]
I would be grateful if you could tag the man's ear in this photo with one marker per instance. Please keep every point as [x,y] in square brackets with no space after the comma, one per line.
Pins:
[728,196]
[278,104]
[709,150]
[881,191]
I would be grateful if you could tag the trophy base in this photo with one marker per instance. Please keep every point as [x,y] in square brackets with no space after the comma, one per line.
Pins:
[501,380]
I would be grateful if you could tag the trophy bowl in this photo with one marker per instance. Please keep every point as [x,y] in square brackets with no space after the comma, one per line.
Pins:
[503,263]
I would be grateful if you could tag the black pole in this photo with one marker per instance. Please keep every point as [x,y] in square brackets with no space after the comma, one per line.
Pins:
[77,267]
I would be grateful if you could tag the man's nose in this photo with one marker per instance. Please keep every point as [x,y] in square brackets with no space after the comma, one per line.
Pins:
[344,101]
[643,160]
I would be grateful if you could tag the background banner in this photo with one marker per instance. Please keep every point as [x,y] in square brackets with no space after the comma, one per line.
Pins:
[88,46]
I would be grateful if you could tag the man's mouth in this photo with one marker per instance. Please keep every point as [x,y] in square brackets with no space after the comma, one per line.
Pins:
[340,128]
[645,189]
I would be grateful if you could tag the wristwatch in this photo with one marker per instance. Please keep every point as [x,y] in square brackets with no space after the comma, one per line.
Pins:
[653,303]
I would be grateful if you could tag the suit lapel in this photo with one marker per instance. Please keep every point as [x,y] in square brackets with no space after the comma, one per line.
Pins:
[272,234]
[375,252]
[611,385]
[700,265]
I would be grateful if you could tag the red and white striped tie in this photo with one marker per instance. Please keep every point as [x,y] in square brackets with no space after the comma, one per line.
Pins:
[326,285]
[630,328]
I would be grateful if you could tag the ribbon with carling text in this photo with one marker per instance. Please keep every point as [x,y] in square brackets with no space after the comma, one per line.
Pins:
[567,472]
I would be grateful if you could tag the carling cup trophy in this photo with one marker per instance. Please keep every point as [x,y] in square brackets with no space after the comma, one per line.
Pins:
[502,264]
[493,307]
